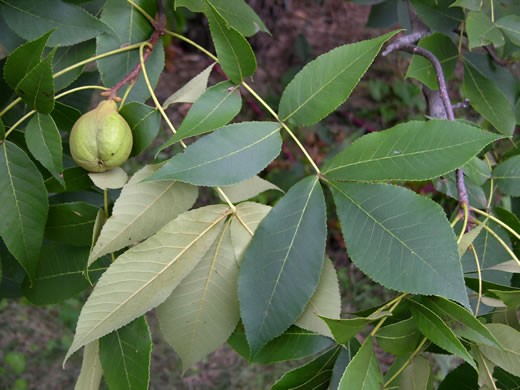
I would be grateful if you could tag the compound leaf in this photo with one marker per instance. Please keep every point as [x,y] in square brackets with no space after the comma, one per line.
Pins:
[145,275]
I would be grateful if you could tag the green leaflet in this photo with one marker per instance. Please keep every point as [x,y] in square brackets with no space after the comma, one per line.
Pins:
[70,55]
[348,351]
[438,15]
[492,104]
[248,189]
[509,357]
[37,87]
[63,266]
[24,206]
[446,52]
[125,356]
[240,16]
[144,121]
[141,210]
[507,176]
[463,375]
[202,312]
[251,214]
[363,371]
[293,344]
[31,19]
[130,27]
[23,59]
[344,329]
[71,223]
[460,321]
[325,302]
[44,142]
[282,264]
[417,375]
[233,51]
[407,245]
[145,275]
[510,24]
[91,371]
[409,151]
[214,109]
[482,31]
[433,327]
[192,90]
[323,84]
[247,147]
[315,374]
[399,338]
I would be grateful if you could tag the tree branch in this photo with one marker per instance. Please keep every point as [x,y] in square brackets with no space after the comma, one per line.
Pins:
[159,29]
[401,45]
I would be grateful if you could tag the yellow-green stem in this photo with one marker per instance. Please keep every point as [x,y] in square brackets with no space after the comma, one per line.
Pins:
[491,183]
[125,95]
[190,42]
[142,11]
[392,308]
[501,242]
[286,128]
[401,369]
[30,113]
[256,96]
[488,371]
[479,280]
[455,220]
[465,223]
[498,221]
[167,120]
[74,66]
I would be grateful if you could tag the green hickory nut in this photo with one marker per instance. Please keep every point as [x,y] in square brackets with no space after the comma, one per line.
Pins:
[101,139]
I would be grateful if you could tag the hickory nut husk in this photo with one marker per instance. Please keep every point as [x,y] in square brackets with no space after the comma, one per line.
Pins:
[101,139]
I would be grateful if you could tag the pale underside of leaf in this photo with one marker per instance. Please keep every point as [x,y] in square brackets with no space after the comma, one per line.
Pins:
[193,89]
[247,218]
[141,210]
[326,301]
[202,312]
[91,371]
[113,178]
[248,189]
[144,276]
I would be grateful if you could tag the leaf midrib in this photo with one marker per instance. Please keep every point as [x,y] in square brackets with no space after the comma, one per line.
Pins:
[165,267]
[284,262]
[403,155]
[326,84]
